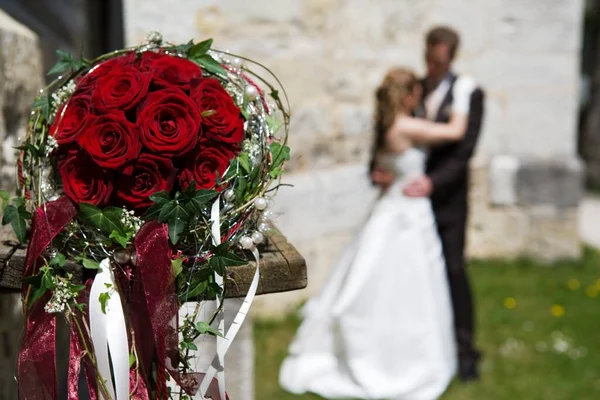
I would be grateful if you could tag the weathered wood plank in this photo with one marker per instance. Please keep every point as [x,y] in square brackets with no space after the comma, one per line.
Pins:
[282,267]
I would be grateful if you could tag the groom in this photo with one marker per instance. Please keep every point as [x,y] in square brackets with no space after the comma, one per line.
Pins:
[446,183]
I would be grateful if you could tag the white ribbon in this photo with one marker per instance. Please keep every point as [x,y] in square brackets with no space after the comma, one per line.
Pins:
[108,332]
[223,343]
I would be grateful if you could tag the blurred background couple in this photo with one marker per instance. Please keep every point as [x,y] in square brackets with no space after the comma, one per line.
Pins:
[395,319]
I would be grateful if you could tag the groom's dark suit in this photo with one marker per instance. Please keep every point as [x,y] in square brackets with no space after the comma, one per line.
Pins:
[448,169]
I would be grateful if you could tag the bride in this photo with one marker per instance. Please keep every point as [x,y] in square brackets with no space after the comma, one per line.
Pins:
[381,328]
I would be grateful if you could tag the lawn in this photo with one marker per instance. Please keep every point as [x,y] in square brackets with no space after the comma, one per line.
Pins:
[538,325]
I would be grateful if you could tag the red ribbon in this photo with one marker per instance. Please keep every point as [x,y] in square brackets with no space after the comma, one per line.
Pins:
[153,302]
[36,369]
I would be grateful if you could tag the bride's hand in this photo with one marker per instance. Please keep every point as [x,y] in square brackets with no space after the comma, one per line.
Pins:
[382,178]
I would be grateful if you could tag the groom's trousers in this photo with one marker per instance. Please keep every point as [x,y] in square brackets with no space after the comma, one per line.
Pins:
[452,234]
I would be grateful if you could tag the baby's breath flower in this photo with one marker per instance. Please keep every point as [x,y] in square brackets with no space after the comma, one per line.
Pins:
[154,37]
[60,297]
[63,94]
[130,220]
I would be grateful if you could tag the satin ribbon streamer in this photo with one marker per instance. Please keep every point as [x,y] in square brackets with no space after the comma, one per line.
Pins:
[223,343]
[36,369]
[108,331]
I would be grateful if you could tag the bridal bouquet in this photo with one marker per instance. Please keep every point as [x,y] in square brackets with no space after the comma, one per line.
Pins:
[152,167]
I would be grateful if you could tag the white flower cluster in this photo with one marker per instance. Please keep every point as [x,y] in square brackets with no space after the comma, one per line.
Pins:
[60,298]
[252,148]
[154,37]
[63,94]
[130,220]
[51,145]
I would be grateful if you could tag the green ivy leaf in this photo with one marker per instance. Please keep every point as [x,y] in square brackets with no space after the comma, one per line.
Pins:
[219,263]
[190,191]
[5,197]
[273,123]
[240,187]
[177,266]
[120,237]
[107,220]
[176,217]
[42,103]
[88,263]
[20,227]
[204,327]
[48,282]
[244,161]
[209,64]
[189,346]
[201,48]
[275,95]
[280,154]
[39,289]
[66,62]
[160,197]
[10,212]
[36,295]
[198,290]
[232,170]
[184,48]
[201,199]
[59,259]
[153,212]
[103,298]
[32,149]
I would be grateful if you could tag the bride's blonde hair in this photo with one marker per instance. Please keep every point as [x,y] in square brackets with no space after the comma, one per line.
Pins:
[389,101]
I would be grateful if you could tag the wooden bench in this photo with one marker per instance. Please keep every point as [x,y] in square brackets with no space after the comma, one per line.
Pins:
[282,268]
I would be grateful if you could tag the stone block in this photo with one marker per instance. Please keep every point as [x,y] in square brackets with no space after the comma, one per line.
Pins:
[320,203]
[542,26]
[558,182]
[312,120]
[541,123]
[554,234]
[356,120]
[497,233]
[503,176]
[21,77]
[504,70]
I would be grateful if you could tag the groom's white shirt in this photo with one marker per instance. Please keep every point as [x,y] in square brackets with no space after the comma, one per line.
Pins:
[461,95]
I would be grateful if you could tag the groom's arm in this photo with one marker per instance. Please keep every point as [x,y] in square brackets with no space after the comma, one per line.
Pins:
[449,172]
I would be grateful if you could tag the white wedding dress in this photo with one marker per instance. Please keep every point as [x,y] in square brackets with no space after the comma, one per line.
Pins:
[381,328]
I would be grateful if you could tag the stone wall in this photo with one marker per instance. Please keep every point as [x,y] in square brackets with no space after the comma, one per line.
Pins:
[20,78]
[330,55]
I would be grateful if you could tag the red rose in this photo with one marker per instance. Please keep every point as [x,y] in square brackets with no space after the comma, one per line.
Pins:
[147,175]
[121,89]
[204,166]
[70,119]
[169,122]
[111,140]
[86,84]
[83,181]
[226,123]
[169,70]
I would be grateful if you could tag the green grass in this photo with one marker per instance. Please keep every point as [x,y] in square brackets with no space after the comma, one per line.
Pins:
[520,361]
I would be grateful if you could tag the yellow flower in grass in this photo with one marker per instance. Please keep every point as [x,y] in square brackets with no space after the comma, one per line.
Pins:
[591,291]
[557,310]
[510,303]
[573,284]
